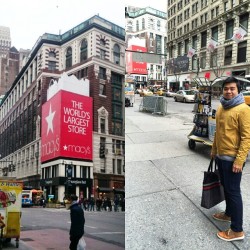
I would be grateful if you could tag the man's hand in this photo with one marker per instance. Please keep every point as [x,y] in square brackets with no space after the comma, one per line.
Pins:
[212,155]
[237,168]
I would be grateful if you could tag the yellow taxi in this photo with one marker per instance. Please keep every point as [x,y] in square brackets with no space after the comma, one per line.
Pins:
[160,92]
[246,95]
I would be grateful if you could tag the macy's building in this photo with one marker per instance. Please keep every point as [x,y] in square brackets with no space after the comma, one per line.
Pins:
[64,105]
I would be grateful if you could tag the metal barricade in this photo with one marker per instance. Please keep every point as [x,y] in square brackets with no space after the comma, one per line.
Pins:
[154,104]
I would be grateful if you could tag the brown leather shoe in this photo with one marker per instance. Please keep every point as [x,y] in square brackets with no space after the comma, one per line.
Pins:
[230,235]
[222,217]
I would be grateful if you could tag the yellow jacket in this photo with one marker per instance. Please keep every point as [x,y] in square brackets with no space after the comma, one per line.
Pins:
[232,136]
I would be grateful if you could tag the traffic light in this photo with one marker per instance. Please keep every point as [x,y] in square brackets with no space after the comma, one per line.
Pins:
[102,151]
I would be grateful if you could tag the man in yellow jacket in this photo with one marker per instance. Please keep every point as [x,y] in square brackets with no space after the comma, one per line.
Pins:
[230,149]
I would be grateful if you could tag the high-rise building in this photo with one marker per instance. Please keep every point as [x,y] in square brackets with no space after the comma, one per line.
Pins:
[93,53]
[200,39]
[5,40]
[148,25]
[9,69]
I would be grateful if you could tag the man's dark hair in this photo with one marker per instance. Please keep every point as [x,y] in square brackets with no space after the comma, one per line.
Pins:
[232,79]
[74,197]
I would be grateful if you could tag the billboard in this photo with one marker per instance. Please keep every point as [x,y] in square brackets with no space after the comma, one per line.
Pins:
[135,67]
[67,122]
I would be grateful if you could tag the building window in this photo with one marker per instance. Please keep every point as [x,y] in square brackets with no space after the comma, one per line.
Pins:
[119,166]
[116,54]
[213,59]
[242,51]
[226,6]
[244,21]
[116,94]
[143,23]
[102,42]
[212,14]
[179,48]
[186,44]
[117,111]
[228,55]
[151,24]
[84,50]
[51,65]
[102,89]
[158,25]
[194,62]
[203,39]
[158,44]
[102,73]
[203,60]
[102,125]
[69,58]
[52,54]
[229,29]
[194,42]
[117,128]
[137,25]
[215,33]
[102,54]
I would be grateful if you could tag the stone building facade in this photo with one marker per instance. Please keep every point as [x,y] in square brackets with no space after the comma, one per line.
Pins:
[93,50]
[200,24]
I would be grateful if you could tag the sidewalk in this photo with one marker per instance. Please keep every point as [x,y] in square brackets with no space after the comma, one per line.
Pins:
[163,187]
[55,239]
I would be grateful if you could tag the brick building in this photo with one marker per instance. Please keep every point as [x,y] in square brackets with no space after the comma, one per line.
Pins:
[93,50]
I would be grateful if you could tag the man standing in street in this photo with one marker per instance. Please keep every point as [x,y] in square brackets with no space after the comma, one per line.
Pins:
[77,223]
[230,148]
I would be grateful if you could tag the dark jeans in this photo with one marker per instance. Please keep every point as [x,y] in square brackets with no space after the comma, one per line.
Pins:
[73,242]
[231,183]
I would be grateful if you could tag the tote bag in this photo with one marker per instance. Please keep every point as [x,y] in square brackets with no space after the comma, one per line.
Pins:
[81,244]
[212,190]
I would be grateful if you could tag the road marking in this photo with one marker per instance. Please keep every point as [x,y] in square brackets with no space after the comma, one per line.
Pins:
[109,233]
[90,226]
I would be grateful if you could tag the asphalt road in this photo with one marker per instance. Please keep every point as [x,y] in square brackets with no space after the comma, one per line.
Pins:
[48,228]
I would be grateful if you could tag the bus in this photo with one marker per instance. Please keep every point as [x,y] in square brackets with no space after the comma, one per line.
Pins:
[31,197]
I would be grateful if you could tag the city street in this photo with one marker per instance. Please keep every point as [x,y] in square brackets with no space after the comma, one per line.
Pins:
[164,183]
[48,228]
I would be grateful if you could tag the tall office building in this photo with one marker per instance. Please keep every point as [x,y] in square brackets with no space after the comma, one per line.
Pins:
[5,40]
[209,38]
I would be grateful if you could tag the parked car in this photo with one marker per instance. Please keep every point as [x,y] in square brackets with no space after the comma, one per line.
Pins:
[184,96]
[246,95]
[169,93]
[146,92]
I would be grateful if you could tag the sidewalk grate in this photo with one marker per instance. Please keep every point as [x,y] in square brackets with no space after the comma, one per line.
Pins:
[27,239]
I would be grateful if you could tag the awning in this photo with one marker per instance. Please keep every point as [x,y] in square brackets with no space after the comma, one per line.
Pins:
[104,190]
[119,191]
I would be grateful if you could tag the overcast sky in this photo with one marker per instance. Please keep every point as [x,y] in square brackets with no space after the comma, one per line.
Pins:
[29,19]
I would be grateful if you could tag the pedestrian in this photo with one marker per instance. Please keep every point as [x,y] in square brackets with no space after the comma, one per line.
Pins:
[77,223]
[230,148]
[116,203]
[92,204]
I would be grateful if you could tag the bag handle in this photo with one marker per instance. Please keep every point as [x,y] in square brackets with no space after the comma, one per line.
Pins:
[210,167]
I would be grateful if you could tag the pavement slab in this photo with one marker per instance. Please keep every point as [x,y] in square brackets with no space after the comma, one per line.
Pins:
[164,186]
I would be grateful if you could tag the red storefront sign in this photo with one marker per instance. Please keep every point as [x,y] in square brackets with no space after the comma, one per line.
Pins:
[133,67]
[67,120]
